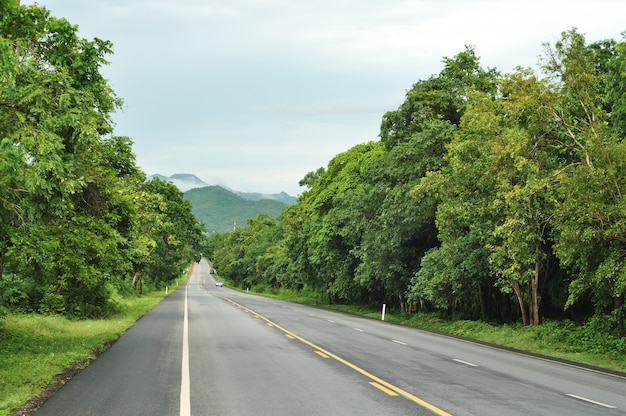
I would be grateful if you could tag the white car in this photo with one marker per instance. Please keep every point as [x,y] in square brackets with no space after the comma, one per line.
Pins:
[219,283]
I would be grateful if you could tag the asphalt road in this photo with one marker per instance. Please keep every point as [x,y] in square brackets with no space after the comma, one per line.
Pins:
[209,350]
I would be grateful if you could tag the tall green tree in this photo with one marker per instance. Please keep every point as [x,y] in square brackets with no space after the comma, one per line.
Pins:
[590,215]
[176,237]
[329,215]
[440,97]
[55,108]
[455,277]
[77,222]
[401,228]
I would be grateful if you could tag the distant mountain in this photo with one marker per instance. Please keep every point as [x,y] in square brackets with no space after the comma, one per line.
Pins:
[218,208]
[183,181]
[187,181]
[282,197]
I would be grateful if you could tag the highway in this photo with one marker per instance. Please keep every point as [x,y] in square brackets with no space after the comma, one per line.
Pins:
[208,350]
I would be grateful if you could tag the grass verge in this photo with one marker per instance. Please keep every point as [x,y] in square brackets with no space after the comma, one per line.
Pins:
[38,352]
[562,340]
[594,344]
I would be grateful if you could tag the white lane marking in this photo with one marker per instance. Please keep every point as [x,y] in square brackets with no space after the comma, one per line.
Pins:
[359,329]
[465,362]
[185,389]
[591,401]
[331,321]
[398,342]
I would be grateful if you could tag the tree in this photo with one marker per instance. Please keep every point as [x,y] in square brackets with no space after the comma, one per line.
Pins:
[494,203]
[590,216]
[54,109]
[441,97]
[77,223]
[329,215]
[177,235]
[400,227]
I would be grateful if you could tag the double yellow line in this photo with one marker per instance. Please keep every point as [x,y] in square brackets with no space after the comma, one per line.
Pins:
[377,382]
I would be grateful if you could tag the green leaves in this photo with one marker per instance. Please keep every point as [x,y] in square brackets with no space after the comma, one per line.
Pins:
[75,222]
[488,196]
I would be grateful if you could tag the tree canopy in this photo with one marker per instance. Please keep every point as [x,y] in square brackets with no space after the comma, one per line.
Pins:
[489,196]
[78,221]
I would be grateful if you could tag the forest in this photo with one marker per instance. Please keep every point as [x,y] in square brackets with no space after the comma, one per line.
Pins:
[489,196]
[79,224]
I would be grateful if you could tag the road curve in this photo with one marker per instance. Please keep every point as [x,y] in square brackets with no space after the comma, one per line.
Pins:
[210,350]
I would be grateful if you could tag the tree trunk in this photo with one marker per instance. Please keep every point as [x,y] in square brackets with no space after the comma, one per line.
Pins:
[481,301]
[403,303]
[534,289]
[618,301]
[137,278]
[520,300]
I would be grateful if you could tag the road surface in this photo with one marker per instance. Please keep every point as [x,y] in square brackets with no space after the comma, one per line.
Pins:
[208,350]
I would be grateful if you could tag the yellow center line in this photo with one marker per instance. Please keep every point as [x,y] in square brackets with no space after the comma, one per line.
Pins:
[321,354]
[379,382]
[383,389]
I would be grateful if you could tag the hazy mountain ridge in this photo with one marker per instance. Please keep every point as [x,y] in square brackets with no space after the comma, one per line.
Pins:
[183,181]
[188,181]
[218,208]
[282,197]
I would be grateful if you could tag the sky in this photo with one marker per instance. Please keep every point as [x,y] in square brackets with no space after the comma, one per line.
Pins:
[254,94]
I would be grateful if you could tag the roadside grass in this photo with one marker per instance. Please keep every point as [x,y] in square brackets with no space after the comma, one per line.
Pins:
[563,340]
[595,343]
[35,348]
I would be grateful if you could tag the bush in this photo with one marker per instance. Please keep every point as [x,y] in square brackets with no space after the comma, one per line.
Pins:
[14,293]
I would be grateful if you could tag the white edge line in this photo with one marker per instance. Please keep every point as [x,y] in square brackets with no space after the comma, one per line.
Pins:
[185,384]
[398,342]
[465,362]
[584,399]
[359,329]
[536,357]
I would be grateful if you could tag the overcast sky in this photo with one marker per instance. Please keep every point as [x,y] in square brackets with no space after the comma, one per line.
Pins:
[253,94]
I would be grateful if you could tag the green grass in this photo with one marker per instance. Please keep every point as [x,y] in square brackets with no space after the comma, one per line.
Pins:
[564,340]
[35,348]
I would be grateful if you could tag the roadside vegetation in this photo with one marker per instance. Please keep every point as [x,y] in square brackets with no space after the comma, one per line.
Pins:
[493,207]
[594,343]
[80,225]
[87,244]
[39,353]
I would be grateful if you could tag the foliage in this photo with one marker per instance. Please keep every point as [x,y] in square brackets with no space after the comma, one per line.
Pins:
[489,196]
[178,235]
[35,348]
[245,254]
[218,208]
[77,225]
